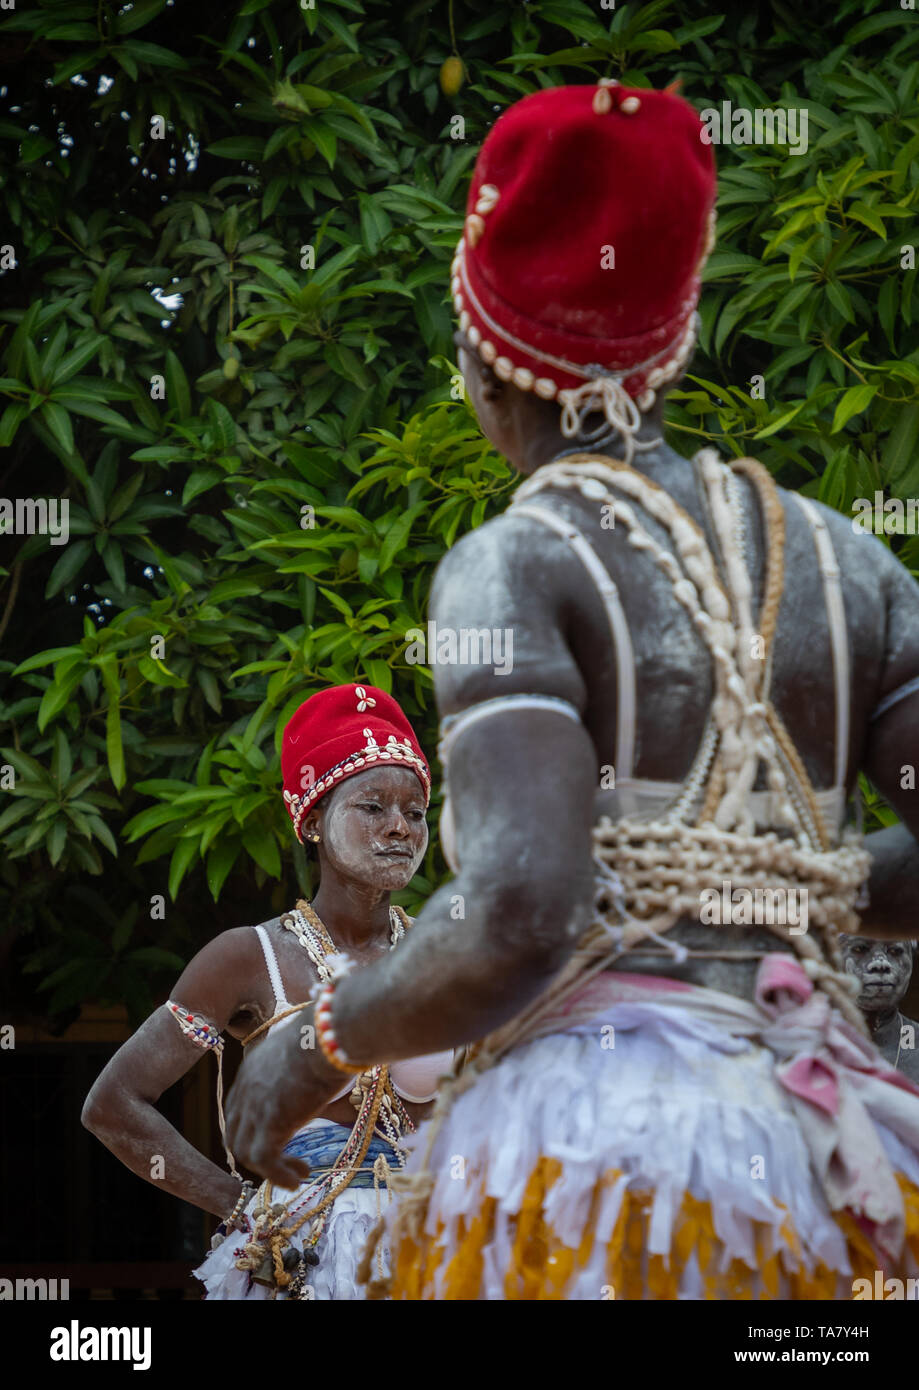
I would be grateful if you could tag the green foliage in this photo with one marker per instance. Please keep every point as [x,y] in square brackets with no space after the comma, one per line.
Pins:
[811,287]
[263,472]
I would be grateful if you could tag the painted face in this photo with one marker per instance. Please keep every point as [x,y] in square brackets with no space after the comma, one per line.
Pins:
[373,827]
[883,969]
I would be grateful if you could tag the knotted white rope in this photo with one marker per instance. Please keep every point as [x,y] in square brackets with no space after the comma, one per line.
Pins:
[603,394]
[665,865]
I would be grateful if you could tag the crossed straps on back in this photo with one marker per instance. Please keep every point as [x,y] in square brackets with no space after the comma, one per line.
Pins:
[581,472]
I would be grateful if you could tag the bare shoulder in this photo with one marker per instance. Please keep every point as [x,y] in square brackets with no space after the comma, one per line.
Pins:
[216,983]
[497,559]
[222,977]
[498,616]
[861,555]
[879,591]
[235,945]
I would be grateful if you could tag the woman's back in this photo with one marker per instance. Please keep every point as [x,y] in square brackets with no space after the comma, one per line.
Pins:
[826,645]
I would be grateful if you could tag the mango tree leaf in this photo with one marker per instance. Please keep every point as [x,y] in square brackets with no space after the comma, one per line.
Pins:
[853,402]
[68,566]
[177,392]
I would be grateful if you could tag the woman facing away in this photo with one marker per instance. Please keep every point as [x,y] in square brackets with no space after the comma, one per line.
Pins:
[674,1095]
[356,785]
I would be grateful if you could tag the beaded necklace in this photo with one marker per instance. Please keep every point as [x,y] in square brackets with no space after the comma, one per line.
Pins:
[310,932]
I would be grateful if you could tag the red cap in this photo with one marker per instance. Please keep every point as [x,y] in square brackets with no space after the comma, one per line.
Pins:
[338,733]
[590,216]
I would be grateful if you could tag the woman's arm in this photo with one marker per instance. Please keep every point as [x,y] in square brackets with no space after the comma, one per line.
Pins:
[486,944]
[120,1108]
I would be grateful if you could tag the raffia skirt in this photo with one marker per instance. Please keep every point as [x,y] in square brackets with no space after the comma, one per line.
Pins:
[644,1154]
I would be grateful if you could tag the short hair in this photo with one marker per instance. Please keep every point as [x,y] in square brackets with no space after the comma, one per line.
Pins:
[910,941]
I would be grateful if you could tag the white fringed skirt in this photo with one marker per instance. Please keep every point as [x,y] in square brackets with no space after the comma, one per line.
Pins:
[352,1216]
[651,1153]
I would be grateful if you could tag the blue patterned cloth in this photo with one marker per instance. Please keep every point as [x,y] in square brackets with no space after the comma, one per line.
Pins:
[322,1146]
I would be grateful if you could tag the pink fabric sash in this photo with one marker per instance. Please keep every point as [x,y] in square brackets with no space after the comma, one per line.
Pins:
[838,1084]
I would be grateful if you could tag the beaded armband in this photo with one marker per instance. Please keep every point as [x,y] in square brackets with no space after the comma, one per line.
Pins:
[325,1034]
[195,1027]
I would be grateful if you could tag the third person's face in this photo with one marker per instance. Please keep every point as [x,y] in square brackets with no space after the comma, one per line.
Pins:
[883,970]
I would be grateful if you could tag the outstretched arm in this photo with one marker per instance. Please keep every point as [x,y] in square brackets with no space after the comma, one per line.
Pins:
[522,785]
[490,941]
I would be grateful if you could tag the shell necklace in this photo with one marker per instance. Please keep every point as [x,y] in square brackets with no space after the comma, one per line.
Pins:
[312,935]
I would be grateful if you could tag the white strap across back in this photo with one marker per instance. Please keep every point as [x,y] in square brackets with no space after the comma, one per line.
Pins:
[643,795]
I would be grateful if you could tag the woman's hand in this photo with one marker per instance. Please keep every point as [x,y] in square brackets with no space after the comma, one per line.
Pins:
[283,1082]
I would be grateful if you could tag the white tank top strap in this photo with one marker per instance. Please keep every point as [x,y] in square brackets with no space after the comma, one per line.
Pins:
[839,636]
[274,974]
[622,642]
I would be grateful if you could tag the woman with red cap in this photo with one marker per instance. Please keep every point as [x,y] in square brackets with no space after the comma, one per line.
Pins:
[356,785]
[674,1095]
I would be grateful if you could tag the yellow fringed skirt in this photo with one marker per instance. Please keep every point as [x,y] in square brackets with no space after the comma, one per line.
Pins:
[541,1267]
[671,1166]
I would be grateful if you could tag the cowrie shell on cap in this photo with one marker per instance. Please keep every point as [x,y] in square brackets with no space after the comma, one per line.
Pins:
[474,228]
[488,196]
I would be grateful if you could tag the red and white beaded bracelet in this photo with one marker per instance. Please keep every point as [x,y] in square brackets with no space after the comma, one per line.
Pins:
[329,1045]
